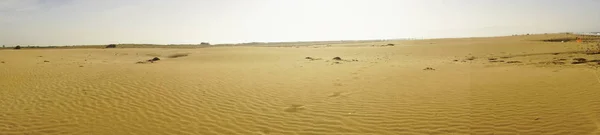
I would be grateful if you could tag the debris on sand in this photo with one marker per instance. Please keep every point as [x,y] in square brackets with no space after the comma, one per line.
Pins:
[513,62]
[1,61]
[555,62]
[178,55]
[340,59]
[455,60]
[311,58]
[496,60]
[492,58]
[150,60]
[17,47]
[336,62]
[46,61]
[389,45]
[80,66]
[428,68]
[471,58]
[337,58]
[579,61]
[593,53]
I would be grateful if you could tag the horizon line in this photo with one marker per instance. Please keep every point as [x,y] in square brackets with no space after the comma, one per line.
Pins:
[305,41]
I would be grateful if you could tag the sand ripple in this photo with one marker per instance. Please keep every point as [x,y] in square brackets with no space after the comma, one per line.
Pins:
[217,92]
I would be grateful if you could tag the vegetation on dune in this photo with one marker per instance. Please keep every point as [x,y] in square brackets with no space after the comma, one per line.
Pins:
[178,55]
[111,46]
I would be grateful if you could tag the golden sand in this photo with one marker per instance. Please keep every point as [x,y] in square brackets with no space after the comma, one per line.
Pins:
[512,85]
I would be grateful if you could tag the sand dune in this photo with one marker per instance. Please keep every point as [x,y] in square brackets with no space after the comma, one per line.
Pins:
[383,90]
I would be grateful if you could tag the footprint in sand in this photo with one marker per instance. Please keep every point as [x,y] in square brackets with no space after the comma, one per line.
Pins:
[294,108]
[265,131]
[342,94]
[335,94]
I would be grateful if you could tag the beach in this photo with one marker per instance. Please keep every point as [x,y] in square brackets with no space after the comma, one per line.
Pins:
[489,85]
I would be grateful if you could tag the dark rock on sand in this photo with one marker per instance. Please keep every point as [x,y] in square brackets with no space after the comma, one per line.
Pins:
[17,47]
[337,58]
[150,60]
[154,59]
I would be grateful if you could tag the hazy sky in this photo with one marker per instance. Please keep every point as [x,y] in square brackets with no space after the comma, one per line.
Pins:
[69,22]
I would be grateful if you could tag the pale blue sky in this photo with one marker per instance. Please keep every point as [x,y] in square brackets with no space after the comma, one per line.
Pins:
[75,22]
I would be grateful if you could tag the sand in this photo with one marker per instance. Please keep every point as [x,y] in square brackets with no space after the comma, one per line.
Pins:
[414,87]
